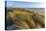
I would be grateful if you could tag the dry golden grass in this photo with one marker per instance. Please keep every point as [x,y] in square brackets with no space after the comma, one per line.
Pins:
[24,19]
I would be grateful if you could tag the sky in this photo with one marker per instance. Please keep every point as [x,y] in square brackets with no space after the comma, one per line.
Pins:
[22,4]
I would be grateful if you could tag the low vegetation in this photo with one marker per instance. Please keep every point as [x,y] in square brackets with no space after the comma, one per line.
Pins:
[24,19]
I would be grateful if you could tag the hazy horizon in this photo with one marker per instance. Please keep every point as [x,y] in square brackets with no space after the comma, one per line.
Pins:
[22,4]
